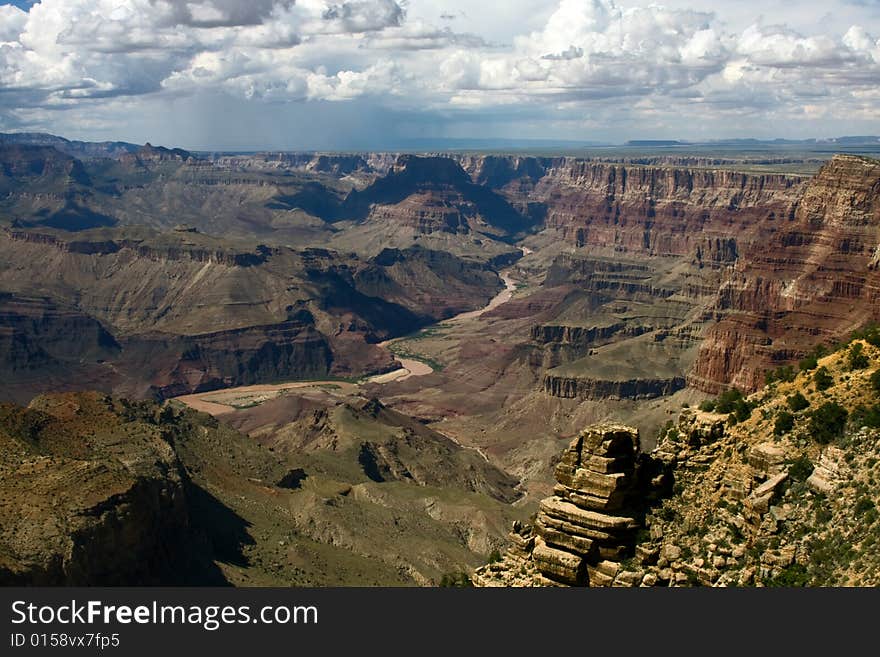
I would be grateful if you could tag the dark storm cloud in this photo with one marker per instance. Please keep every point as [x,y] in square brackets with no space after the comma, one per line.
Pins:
[366,15]
[223,13]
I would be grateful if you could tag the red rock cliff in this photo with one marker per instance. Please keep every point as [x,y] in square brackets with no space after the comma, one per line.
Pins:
[800,281]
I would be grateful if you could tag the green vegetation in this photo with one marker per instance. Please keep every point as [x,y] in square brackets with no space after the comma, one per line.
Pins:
[800,468]
[795,575]
[856,358]
[811,360]
[875,381]
[863,506]
[808,363]
[729,402]
[494,556]
[784,423]
[827,422]
[402,352]
[870,334]
[797,402]
[823,379]
[784,374]
[866,416]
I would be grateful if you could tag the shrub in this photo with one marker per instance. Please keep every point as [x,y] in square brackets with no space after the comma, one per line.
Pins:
[800,468]
[827,422]
[795,575]
[809,363]
[797,402]
[494,556]
[870,334]
[875,381]
[742,410]
[708,405]
[456,580]
[784,423]
[856,358]
[867,416]
[823,379]
[727,400]
[785,374]
[863,506]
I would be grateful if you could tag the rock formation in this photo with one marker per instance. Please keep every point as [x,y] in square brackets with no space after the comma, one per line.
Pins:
[87,500]
[183,311]
[799,281]
[731,502]
[587,528]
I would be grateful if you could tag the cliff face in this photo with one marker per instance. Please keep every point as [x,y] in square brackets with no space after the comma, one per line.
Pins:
[785,496]
[658,211]
[587,528]
[806,280]
[179,312]
[589,388]
[84,506]
[175,365]
[35,333]
[651,210]
[433,194]
[769,264]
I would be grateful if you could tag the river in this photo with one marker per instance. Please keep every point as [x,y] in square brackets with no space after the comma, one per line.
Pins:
[228,400]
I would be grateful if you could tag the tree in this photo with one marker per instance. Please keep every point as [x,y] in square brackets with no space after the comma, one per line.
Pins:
[784,423]
[828,422]
[823,379]
[856,358]
[797,402]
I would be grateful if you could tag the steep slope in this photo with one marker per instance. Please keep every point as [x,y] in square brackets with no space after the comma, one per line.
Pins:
[810,279]
[98,491]
[191,312]
[93,494]
[783,491]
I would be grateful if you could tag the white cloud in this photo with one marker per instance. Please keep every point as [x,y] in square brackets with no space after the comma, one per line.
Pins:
[571,61]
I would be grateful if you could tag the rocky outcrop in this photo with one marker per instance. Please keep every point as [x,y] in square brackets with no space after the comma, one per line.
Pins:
[89,505]
[590,388]
[433,194]
[583,532]
[800,282]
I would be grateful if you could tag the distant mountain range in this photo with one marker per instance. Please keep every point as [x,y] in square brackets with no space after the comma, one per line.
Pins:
[115,149]
[79,149]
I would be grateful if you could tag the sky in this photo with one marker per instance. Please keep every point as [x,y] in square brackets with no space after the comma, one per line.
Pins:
[374,74]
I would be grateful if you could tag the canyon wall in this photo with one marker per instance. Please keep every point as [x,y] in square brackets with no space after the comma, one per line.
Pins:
[808,280]
[773,264]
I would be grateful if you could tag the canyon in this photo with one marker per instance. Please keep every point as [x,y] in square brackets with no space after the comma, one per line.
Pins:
[290,293]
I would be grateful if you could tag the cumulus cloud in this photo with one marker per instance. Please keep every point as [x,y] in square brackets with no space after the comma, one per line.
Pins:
[220,13]
[583,58]
[364,15]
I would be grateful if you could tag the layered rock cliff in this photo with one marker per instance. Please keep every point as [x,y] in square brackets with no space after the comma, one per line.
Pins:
[781,492]
[189,312]
[583,532]
[807,280]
